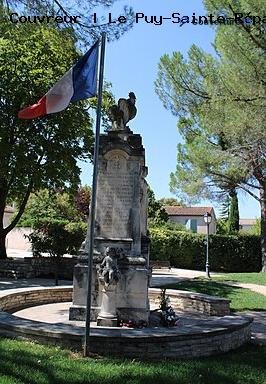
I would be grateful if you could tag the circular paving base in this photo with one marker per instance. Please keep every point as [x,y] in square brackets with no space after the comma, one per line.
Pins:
[195,336]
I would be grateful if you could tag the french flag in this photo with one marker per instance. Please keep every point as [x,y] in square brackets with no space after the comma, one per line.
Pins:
[79,83]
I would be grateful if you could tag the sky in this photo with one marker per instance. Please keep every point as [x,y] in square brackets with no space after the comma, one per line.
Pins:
[131,65]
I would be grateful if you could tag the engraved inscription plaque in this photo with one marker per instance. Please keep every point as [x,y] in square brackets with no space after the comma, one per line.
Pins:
[115,197]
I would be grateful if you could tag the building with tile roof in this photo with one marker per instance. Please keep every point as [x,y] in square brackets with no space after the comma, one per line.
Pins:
[192,217]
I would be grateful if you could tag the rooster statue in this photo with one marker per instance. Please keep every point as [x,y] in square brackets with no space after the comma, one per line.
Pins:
[123,112]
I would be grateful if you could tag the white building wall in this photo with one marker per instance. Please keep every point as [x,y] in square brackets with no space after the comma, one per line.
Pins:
[7,218]
[16,239]
[201,226]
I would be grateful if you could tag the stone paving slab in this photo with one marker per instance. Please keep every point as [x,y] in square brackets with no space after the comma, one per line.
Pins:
[258,327]
[146,344]
[59,316]
[160,279]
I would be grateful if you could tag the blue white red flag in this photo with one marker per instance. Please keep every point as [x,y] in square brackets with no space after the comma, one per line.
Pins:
[79,83]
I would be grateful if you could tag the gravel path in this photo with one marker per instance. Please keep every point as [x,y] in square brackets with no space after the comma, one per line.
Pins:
[253,287]
[184,274]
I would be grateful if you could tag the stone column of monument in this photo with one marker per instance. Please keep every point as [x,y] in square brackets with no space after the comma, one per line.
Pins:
[120,285]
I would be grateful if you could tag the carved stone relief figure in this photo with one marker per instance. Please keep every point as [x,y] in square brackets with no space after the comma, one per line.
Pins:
[109,272]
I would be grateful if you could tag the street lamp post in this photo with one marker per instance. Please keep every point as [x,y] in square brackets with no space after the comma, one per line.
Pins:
[207,219]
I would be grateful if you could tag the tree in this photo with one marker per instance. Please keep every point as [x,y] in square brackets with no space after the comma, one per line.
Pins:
[170,201]
[229,219]
[82,201]
[58,222]
[221,98]
[86,30]
[221,226]
[255,229]
[48,205]
[57,237]
[233,218]
[41,153]
[156,213]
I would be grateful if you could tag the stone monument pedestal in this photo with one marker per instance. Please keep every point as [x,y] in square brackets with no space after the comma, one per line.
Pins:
[108,315]
[121,224]
[77,310]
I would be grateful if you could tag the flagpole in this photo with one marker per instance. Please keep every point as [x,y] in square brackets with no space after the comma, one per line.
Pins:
[93,197]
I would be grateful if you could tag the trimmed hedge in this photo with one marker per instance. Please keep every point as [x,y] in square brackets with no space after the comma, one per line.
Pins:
[227,253]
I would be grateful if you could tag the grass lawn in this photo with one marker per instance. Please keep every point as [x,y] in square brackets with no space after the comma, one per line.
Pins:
[28,363]
[249,278]
[241,299]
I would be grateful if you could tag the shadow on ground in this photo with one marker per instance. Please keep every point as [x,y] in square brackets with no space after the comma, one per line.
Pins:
[207,287]
[24,283]
[30,363]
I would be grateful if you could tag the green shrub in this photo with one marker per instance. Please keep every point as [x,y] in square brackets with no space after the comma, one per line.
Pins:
[57,237]
[238,253]
[76,235]
[235,253]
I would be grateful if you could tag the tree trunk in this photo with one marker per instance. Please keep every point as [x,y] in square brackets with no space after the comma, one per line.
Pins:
[56,269]
[3,233]
[3,254]
[263,225]
[233,219]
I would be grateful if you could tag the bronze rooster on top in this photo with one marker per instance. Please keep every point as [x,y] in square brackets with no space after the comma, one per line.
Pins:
[123,112]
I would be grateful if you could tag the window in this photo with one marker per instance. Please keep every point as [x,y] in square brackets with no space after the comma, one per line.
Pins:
[193,225]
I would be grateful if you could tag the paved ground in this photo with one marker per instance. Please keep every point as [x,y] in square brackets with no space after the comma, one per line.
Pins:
[258,327]
[6,283]
[18,253]
[57,312]
[253,287]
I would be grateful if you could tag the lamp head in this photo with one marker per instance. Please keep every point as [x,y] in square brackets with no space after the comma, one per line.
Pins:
[207,218]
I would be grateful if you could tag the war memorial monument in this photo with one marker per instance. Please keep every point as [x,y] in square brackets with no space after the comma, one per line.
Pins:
[121,255]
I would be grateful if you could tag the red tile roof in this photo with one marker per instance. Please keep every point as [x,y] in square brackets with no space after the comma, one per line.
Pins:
[176,210]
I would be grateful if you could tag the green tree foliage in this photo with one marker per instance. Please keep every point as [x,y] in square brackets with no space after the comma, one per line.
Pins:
[82,201]
[171,201]
[41,153]
[58,222]
[156,214]
[229,221]
[255,229]
[46,205]
[233,218]
[220,102]
[85,29]
[57,237]
[222,226]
